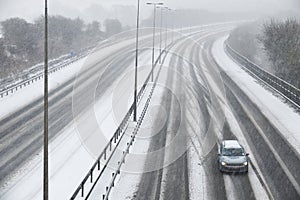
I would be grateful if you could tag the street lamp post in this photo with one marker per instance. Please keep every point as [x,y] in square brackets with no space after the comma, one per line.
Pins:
[45,177]
[154,13]
[160,37]
[136,59]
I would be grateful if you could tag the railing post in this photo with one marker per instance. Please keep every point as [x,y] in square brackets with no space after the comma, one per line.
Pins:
[91,175]
[82,189]
[98,165]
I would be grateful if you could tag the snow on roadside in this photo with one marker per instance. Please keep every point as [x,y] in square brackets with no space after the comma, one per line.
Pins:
[279,113]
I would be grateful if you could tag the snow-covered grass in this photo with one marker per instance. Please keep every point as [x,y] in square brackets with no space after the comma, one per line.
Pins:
[279,113]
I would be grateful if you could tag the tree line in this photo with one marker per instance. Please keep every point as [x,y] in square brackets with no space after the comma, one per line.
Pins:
[22,42]
[275,43]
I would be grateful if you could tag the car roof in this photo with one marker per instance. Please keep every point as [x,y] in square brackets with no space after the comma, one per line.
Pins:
[231,144]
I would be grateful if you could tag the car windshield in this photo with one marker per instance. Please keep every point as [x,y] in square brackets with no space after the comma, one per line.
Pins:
[233,152]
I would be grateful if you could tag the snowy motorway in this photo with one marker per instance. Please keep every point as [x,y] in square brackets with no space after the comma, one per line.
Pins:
[201,97]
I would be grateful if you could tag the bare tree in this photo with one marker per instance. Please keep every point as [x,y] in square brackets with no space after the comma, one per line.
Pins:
[112,26]
[281,41]
[22,43]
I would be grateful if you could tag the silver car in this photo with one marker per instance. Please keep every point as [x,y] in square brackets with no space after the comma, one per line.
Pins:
[232,157]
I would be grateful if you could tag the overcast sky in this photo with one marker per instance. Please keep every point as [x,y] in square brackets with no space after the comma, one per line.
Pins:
[30,9]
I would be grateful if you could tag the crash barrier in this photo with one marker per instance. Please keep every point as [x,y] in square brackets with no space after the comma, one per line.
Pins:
[53,67]
[115,141]
[290,92]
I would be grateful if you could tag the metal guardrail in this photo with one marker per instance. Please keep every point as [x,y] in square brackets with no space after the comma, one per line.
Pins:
[289,91]
[40,75]
[116,138]
[139,122]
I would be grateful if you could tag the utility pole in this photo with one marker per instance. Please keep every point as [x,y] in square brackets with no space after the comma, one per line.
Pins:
[46,175]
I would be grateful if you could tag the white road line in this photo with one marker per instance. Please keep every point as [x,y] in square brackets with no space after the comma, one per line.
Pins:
[229,187]
[258,189]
